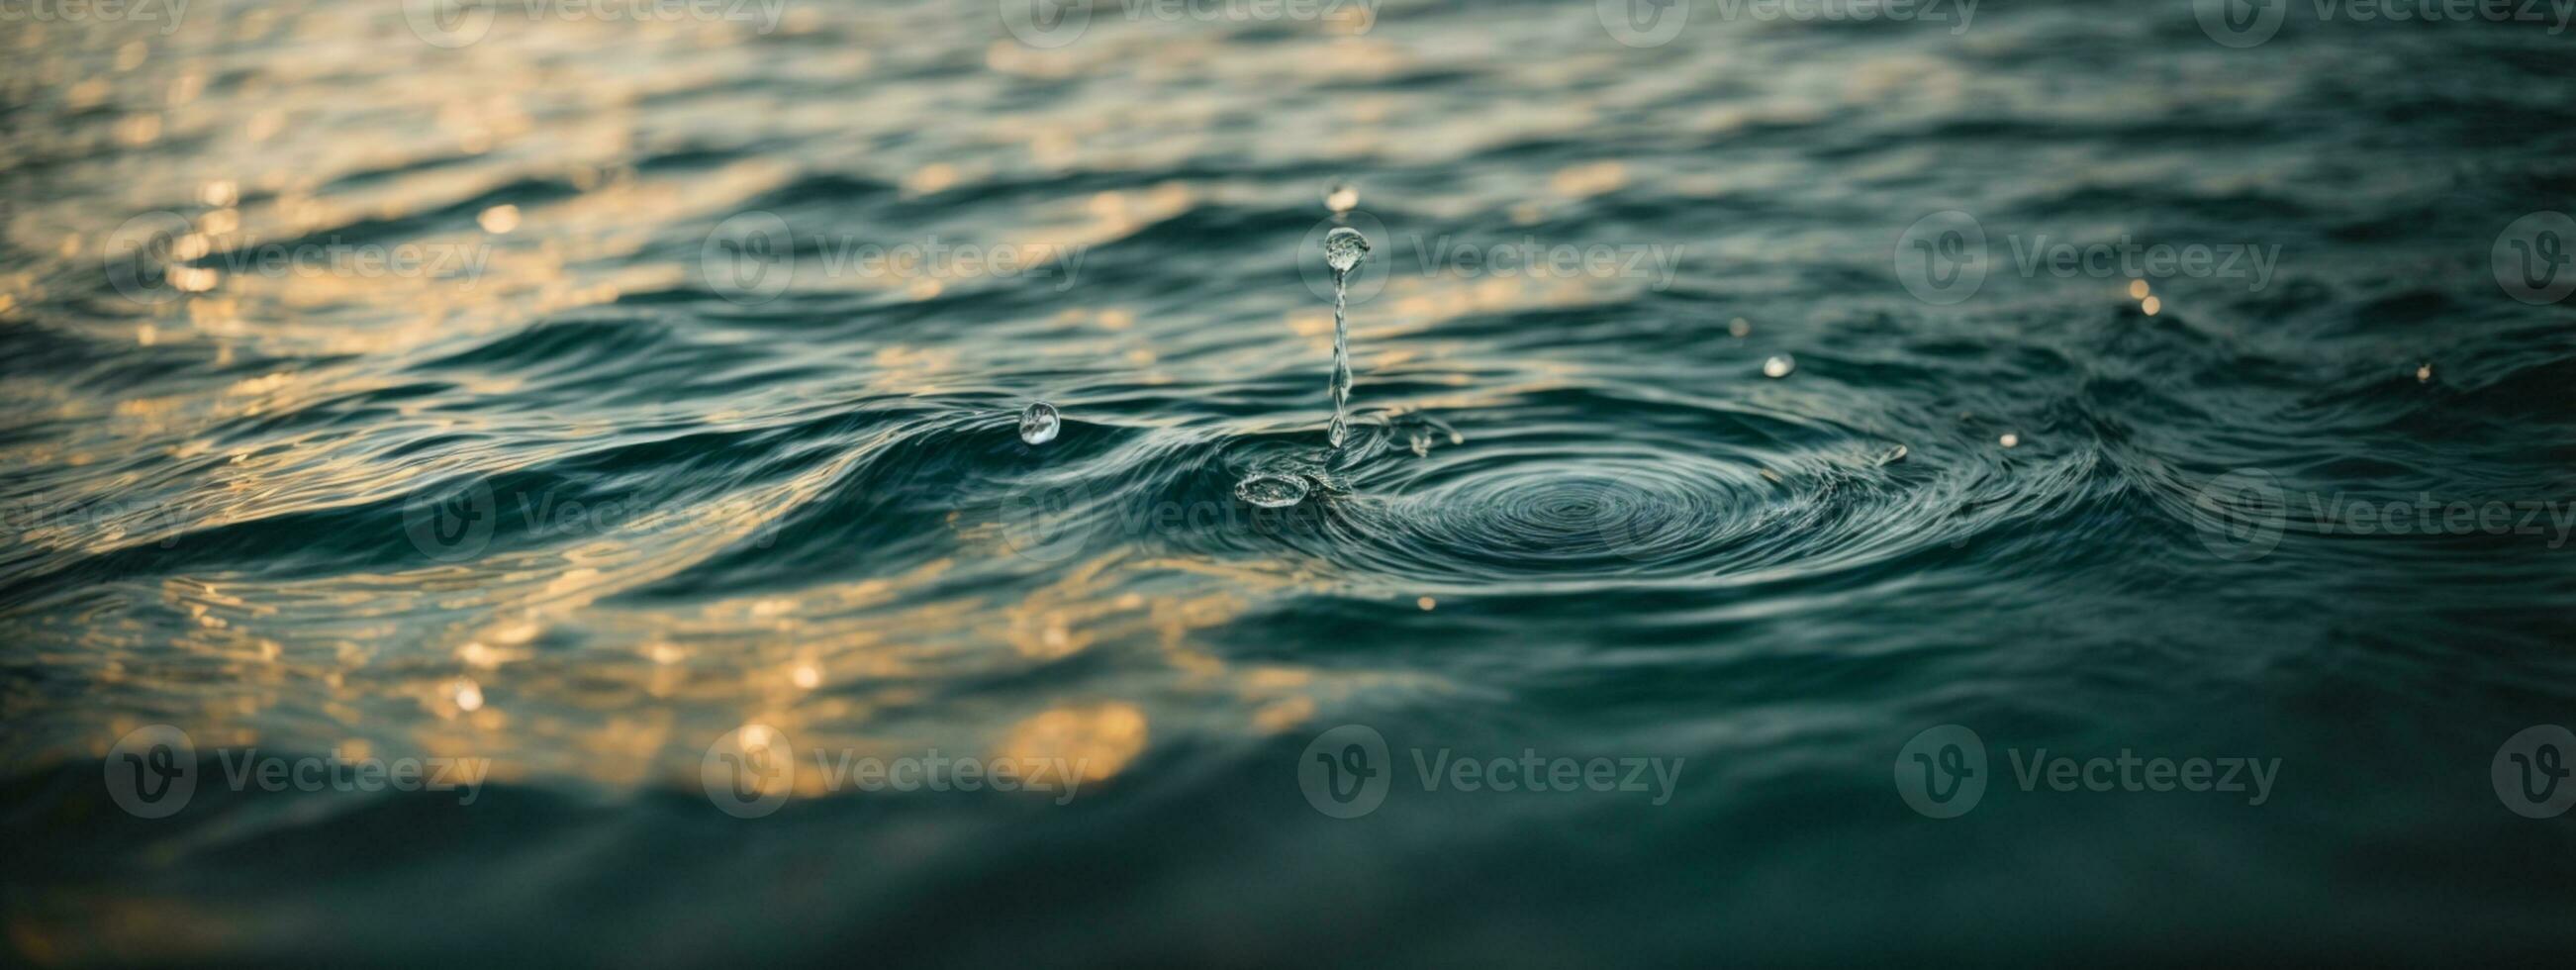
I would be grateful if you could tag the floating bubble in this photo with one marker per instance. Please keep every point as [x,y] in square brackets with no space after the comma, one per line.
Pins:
[1040,423]
[1341,197]
[1779,366]
[1344,247]
[1272,491]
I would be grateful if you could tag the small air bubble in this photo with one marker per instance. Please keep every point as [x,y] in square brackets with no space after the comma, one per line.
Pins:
[1779,366]
[1040,423]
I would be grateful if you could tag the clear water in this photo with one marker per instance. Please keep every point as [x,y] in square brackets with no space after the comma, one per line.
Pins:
[672,466]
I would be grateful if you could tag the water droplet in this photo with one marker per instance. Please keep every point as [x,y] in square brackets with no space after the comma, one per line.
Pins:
[1039,424]
[2151,305]
[1739,328]
[1341,197]
[2010,440]
[1272,491]
[1892,456]
[1779,366]
[2424,374]
[2137,289]
[1344,247]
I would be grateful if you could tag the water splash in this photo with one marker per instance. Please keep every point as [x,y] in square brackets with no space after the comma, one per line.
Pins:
[1040,423]
[1272,491]
[1344,248]
[1779,366]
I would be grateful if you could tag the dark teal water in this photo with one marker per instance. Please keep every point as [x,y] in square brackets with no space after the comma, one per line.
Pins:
[619,451]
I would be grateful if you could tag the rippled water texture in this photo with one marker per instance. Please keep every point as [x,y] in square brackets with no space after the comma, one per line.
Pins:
[636,459]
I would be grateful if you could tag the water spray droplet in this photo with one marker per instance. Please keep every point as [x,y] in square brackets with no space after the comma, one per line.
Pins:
[1040,423]
[2424,374]
[1779,366]
[1344,247]
[1272,491]
[1739,328]
[2009,440]
[1341,197]
[1892,456]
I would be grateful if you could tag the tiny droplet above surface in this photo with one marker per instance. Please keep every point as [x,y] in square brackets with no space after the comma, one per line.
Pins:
[1344,247]
[1739,328]
[2424,374]
[2009,440]
[1040,423]
[1779,366]
[1341,197]
[1272,491]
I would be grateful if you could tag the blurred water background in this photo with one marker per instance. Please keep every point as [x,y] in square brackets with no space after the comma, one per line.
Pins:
[569,392]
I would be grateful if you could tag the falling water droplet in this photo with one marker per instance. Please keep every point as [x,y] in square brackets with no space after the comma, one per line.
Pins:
[1779,366]
[1341,197]
[1344,248]
[1272,491]
[1039,424]
[2424,374]
[2009,440]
